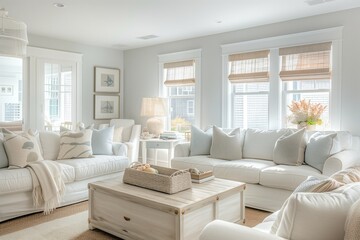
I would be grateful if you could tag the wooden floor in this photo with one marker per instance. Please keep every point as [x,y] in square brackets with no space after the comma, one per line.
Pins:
[254,216]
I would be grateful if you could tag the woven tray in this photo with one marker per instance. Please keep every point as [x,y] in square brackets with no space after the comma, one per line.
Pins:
[168,180]
[202,175]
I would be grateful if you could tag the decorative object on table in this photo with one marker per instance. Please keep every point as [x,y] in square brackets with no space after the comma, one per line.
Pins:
[198,176]
[146,168]
[167,180]
[13,36]
[147,135]
[106,107]
[306,114]
[170,135]
[107,80]
[155,108]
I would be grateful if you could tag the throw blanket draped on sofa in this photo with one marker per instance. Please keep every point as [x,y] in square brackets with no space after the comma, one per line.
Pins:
[48,186]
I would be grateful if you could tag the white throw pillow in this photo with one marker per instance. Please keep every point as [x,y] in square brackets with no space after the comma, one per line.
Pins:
[259,144]
[4,162]
[352,224]
[290,148]
[200,142]
[101,141]
[75,144]
[319,216]
[21,149]
[318,149]
[50,143]
[226,146]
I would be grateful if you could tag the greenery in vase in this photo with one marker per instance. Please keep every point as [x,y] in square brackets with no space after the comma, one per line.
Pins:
[306,113]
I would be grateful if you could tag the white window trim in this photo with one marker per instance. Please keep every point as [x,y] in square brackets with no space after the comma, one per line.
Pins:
[182,56]
[188,102]
[34,56]
[274,43]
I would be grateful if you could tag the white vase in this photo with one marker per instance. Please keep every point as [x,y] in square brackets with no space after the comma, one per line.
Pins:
[308,127]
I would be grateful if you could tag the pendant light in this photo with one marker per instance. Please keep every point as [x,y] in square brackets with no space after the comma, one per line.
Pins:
[13,36]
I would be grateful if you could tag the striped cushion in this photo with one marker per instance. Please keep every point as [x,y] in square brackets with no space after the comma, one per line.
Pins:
[75,144]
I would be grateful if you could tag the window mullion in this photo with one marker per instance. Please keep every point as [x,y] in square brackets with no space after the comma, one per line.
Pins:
[274,91]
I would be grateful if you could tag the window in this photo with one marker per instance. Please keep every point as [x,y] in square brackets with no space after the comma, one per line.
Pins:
[11,74]
[249,78]
[180,83]
[300,66]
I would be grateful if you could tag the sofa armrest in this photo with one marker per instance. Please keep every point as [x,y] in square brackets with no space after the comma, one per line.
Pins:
[182,150]
[119,149]
[219,229]
[340,161]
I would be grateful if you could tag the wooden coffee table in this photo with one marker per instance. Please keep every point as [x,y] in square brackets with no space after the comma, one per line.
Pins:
[131,212]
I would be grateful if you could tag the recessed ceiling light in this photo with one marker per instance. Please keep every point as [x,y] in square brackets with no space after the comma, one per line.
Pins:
[59,5]
[219,21]
[148,37]
[316,2]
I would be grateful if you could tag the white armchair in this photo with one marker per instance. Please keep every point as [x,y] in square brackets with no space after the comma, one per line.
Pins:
[130,136]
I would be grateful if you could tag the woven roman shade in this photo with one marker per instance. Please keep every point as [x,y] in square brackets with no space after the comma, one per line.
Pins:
[180,73]
[249,67]
[306,62]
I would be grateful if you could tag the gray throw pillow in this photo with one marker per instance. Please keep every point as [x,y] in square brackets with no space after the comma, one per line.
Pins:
[4,162]
[101,141]
[200,142]
[318,150]
[226,146]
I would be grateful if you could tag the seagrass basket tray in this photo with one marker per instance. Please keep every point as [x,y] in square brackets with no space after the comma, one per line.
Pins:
[168,180]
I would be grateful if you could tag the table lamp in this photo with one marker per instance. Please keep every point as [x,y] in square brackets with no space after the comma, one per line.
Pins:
[155,108]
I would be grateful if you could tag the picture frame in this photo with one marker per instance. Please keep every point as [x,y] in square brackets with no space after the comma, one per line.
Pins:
[107,80]
[106,107]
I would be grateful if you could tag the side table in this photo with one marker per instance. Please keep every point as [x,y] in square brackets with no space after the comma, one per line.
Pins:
[157,143]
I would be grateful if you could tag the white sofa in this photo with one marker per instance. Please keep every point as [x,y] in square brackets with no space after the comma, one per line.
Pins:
[16,184]
[268,184]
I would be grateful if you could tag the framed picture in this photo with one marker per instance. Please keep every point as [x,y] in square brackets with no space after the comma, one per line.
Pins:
[6,90]
[106,107]
[107,80]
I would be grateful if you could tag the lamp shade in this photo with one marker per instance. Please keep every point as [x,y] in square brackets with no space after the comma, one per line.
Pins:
[13,36]
[154,107]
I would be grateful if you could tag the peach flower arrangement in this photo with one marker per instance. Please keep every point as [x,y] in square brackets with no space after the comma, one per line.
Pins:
[305,113]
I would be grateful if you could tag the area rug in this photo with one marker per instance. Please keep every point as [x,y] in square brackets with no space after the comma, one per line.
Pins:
[71,223]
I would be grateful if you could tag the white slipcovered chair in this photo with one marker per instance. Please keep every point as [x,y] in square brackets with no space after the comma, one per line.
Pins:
[130,135]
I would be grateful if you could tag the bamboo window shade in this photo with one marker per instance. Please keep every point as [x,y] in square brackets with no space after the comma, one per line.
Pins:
[306,62]
[180,73]
[249,67]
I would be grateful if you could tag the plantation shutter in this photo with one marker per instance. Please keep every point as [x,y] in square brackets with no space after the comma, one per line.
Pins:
[307,62]
[249,67]
[180,73]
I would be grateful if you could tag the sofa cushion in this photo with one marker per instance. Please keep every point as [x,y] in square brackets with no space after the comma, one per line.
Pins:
[322,215]
[290,148]
[50,144]
[287,177]
[200,142]
[245,170]
[4,162]
[101,141]
[203,163]
[352,229]
[75,144]
[99,165]
[259,144]
[226,146]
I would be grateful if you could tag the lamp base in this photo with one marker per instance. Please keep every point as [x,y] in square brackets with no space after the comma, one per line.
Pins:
[155,126]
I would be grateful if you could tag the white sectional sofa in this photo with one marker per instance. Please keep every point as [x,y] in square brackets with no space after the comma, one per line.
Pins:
[16,184]
[268,184]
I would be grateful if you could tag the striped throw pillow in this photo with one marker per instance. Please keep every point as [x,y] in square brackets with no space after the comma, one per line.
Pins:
[75,144]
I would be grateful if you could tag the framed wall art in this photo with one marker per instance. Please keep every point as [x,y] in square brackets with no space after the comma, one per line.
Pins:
[107,80]
[106,107]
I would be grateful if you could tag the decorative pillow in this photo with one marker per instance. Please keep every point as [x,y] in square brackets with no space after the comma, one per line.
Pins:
[290,148]
[4,162]
[75,144]
[101,141]
[21,149]
[318,150]
[117,137]
[319,216]
[200,142]
[50,143]
[346,176]
[352,229]
[82,127]
[226,146]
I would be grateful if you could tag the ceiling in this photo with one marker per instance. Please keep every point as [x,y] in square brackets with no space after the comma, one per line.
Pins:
[120,23]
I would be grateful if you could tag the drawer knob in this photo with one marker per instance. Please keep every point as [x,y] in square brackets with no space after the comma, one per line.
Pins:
[127,218]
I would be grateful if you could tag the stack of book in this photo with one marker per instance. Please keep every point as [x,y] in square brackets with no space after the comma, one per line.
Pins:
[202,177]
[170,135]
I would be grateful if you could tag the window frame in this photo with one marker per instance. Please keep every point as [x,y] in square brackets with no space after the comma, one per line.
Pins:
[333,35]
[177,57]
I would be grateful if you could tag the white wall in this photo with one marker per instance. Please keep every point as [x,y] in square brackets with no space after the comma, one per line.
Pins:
[141,65]
[92,56]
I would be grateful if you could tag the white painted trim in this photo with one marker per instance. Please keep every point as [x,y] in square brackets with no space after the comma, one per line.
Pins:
[273,43]
[194,54]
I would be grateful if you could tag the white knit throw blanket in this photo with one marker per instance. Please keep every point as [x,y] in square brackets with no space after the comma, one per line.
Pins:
[48,186]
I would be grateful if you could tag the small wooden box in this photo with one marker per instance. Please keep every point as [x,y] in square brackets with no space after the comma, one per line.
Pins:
[202,175]
[168,180]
